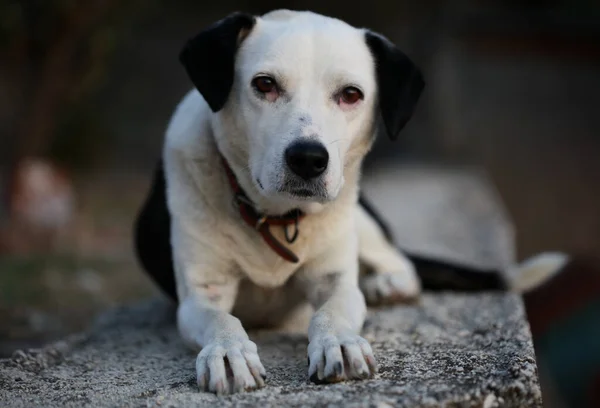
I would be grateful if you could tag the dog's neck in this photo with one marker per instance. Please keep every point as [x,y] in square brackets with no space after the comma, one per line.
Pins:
[241,197]
[263,213]
[263,222]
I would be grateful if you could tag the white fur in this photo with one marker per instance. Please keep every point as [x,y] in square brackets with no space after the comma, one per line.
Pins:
[214,251]
[536,270]
[395,277]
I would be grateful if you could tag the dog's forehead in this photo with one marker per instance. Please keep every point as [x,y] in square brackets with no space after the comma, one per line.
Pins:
[294,39]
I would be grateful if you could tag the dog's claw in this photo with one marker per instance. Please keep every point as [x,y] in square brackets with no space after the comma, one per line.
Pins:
[245,372]
[372,364]
[315,379]
[202,380]
[338,369]
[327,352]
[220,388]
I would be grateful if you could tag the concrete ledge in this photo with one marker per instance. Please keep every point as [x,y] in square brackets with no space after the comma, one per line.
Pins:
[449,350]
[458,350]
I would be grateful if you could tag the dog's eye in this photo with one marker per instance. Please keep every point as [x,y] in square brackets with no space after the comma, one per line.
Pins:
[264,84]
[350,95]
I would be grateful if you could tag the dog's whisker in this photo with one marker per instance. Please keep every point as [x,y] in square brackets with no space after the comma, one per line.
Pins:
[335,141]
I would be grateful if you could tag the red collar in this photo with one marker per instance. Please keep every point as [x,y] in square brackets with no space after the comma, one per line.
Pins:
[262,222]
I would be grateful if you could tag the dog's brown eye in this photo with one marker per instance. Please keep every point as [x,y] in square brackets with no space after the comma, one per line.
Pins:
[351,95]
[264,84]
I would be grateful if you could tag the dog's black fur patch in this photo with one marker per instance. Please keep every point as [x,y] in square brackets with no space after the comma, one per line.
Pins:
[152,235]
[209,58]
[399,82]
[440,275]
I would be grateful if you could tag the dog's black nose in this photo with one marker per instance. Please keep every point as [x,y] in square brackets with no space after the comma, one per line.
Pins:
[307,159]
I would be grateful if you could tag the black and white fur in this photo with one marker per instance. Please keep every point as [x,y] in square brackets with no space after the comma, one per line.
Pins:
[190,237]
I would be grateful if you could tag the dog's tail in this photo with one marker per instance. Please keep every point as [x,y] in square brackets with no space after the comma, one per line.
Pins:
[438,274]
[536,270]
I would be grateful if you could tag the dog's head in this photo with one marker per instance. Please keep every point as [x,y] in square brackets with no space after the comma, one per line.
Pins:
[297,96]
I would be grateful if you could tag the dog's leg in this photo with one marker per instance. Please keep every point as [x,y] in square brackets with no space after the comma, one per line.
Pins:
[390,276]
[228,361]
[336,351]
[225,345]
[207,286]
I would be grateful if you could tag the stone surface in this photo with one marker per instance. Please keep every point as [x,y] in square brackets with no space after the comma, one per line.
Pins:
[457,349]
[447,350]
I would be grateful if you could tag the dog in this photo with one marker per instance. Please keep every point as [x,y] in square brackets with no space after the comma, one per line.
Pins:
[255,208]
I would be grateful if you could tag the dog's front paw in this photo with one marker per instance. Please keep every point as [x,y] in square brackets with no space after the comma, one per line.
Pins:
[384,288]
[338,358]
[226,367]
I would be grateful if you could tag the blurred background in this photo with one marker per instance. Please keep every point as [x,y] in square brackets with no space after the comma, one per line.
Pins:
[87,88]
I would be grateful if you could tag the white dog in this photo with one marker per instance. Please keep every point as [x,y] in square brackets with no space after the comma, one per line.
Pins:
[255,206]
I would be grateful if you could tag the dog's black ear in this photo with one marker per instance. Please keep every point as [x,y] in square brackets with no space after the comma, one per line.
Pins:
[209,57]
[399,83]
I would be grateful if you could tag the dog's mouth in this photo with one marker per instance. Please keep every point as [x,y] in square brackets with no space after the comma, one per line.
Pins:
[294,191]
[305,194]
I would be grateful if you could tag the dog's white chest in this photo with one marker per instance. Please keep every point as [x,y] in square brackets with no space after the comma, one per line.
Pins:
[261,265]
[254,259]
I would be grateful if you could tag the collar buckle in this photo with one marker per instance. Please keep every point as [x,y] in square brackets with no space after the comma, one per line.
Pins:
[293,238]
[259,223]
